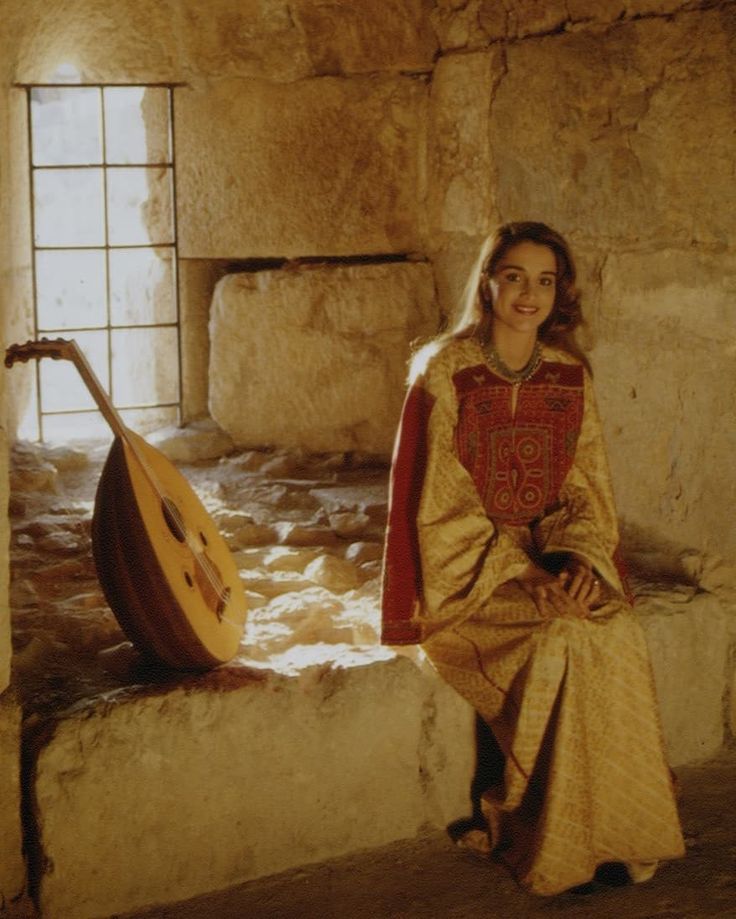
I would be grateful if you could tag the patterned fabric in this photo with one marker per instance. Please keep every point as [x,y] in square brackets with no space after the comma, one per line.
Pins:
[519,462]
[571,702]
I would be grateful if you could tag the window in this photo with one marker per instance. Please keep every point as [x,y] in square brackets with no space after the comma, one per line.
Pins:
[104,254]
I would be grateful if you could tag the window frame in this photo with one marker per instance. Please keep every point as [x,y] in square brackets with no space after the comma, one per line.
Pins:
[106,248]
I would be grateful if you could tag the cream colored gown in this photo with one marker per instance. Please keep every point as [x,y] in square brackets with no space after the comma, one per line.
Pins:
[571,702]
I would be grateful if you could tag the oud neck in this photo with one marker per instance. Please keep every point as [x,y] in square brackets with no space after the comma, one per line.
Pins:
[98,393]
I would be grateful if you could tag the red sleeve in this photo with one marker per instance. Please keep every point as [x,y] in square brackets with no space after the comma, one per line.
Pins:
[402,575]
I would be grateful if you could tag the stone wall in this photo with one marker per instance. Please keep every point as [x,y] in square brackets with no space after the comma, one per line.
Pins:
[12,866]
[325,166]
[316,358]
[619,134]
[305,130]
[4,530]
[407,129]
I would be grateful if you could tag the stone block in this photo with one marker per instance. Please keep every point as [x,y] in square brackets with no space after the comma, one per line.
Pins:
[447,750]
[287,41]
[616,152]
[362,38]
[12,865]
[200,440]
[172,40]
[676,305]
[5,646]
[197,280]
[608,11]
[689,642]
[131,41]
[242,38]
[317,358]
[148,798]
[476,23]
[319,167]
[452,263]
[461,167]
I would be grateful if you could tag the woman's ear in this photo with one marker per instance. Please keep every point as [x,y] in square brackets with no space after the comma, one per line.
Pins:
[484,288]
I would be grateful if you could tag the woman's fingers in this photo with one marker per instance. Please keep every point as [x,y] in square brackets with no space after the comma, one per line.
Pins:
[582,585]
[570,595]
[558,600]
[545,608]
[590,593]
[580,582]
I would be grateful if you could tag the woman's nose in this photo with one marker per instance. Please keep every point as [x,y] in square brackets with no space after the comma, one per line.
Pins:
[526,288]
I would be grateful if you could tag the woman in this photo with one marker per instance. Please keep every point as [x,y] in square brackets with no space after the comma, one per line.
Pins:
[500,560]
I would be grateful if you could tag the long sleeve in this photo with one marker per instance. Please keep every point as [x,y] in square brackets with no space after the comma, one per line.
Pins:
[584,519]
[464,557]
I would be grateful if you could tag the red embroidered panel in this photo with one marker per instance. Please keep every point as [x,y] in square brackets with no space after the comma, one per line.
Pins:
[518,462]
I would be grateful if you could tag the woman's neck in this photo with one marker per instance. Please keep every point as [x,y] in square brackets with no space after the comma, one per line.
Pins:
[514,349]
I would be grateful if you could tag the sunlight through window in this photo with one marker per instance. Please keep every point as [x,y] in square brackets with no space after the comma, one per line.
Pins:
[104,255]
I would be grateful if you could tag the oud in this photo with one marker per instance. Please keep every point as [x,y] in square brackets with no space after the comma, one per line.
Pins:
[165,570]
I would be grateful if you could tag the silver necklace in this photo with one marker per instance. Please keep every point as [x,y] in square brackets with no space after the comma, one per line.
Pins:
[513,376]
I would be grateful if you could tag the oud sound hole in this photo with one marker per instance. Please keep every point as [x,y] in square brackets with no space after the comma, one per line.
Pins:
[174,519]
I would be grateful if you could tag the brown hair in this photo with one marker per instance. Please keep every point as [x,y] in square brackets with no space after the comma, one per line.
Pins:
[558,330]
[474,319]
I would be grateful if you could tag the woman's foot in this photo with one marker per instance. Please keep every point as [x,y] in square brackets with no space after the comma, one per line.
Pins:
[641,871]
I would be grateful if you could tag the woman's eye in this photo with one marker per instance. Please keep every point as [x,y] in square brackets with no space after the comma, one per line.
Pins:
[547,282]
[512,276]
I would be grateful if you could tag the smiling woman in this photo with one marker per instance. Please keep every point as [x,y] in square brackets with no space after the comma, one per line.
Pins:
[522,291]
[501,561]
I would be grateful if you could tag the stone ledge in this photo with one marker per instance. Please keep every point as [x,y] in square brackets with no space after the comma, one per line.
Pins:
[157,793]
[147,789]
[690,636]
[149,795]
[12,867]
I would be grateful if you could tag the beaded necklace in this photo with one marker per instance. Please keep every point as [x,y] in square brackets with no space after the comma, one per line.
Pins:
[513,376]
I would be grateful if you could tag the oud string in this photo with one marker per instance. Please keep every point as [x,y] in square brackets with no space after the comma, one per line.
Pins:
[212,576]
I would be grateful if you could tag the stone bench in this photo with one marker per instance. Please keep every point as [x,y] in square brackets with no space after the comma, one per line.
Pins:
[158,793]
[161,793]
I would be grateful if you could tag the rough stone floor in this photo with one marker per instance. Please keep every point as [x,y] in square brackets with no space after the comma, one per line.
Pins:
[306,534]
[429,878]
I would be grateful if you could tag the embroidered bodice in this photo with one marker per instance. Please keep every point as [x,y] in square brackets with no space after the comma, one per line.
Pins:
[518,455]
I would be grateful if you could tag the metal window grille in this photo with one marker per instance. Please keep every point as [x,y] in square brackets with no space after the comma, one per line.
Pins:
[104,251]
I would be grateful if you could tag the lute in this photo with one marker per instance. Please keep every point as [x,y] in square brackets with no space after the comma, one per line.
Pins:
[165,570]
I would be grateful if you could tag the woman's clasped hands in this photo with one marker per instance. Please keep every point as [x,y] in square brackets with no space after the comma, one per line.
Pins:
[571,594]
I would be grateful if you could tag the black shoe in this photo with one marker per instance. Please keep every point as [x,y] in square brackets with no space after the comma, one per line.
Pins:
[583,890]
[613,874]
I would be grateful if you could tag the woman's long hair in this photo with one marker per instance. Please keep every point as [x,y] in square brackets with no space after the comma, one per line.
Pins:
[476,315]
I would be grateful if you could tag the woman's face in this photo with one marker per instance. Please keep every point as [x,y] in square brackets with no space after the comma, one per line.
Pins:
[523,288]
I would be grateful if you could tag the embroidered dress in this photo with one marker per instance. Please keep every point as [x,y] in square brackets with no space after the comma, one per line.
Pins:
[486,476]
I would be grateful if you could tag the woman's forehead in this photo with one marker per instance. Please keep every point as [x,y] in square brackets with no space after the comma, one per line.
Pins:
[529,256]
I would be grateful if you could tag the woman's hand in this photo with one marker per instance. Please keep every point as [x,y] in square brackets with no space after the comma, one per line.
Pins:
[580,582]
[551,593]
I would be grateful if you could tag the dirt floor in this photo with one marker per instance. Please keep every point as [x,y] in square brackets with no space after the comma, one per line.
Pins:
[429,878]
